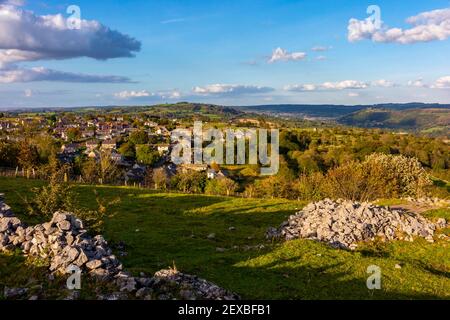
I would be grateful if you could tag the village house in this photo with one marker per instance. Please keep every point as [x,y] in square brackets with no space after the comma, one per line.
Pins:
[213,174]
[162,148]
[117,157]
[162,131]
[150,124]
[88,134]
[92,144]
[109,145]
[69,148]
[193,167]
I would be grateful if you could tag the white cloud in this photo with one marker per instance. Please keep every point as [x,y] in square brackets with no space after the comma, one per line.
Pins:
[321,58]
[342,85]
[442,83]
[142,94]
[28,93]
[280,54]
[17,3]
[50,37]
[11,75]
[230,89]
[383,83]
[300,87]
[353,94]
[346,84]
[133,94]
[25,36]
[417,83]
[170,94]
[426,26]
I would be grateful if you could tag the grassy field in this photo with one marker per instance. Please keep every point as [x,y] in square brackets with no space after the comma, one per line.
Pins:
[162,230]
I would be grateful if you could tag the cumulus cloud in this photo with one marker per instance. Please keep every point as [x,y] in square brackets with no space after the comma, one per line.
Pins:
[346,84]
[25,36]
[301,87]
[51,37]
[280,54]
[170,94]
[44,74]
[425,27]
[417,83]
[12,2]
[133,94]
[442,83]
[230,89]
[383,83]
[142,94]
[341,85]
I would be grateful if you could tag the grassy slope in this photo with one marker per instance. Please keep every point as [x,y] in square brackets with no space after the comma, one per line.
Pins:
[165,229]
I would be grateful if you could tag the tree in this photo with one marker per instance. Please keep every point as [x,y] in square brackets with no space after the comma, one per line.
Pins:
[229,185]
[191,181]
[73,134]
[128,150]
[8,154]
[28,157]
[89,171]
[160,178]
[223,186]
[109,171]
[46,146]
[146,155]
[138,137]
[215,166]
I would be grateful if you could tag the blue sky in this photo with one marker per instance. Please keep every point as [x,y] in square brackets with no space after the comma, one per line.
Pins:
[225,52]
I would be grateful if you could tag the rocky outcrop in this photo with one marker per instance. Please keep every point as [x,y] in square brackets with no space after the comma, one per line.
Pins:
[343,224]
[64,242]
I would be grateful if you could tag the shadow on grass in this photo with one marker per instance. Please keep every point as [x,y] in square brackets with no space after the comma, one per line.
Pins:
[321,283]
[18,272]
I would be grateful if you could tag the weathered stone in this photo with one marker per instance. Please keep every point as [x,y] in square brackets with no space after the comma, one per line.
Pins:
[14,293]
[343,224]
[94,264]
[64,225]
[58,217]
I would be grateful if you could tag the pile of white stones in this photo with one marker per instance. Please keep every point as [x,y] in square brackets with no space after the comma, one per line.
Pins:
[343,224]
[64,242]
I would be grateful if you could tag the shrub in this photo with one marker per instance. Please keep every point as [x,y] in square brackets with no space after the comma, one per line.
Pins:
[310,187]
[60,196]
[378,176]
[223,186]
[402,175]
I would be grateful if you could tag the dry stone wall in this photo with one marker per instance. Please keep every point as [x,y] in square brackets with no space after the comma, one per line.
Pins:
[64,242]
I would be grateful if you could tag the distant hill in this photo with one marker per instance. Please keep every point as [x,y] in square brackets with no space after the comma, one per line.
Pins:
[334,111]
[181,109]
[425,120]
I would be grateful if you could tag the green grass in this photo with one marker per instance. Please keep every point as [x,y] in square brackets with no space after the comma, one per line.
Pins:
[161,229]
